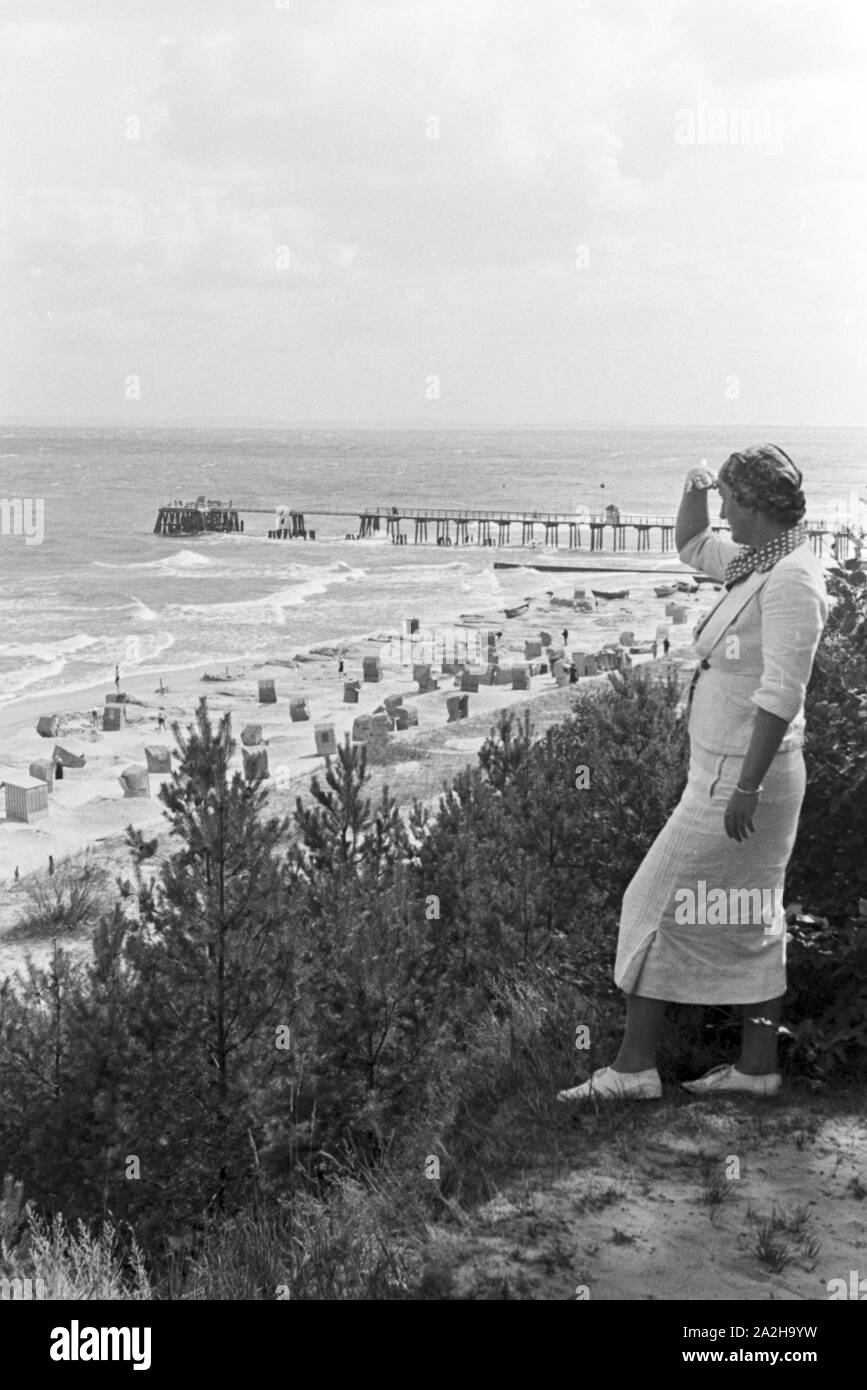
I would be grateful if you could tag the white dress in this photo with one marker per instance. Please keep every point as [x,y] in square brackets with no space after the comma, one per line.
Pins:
[702,920]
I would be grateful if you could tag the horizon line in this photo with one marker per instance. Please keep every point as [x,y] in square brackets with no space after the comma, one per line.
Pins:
[414,423]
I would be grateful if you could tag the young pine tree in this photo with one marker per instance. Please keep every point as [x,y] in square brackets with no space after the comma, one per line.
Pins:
[213,962]
[342,837]
[367,1006]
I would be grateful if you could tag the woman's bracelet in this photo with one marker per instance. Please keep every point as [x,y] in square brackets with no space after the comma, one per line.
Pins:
[745,792]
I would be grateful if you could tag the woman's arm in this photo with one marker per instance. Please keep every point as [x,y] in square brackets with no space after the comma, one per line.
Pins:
[692,516]
[793,615]
[696,544]
[768,732]
[767,735]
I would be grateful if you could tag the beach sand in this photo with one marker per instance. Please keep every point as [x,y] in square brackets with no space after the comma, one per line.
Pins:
[89,810]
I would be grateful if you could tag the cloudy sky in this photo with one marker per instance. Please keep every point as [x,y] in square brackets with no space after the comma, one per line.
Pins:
[648,211]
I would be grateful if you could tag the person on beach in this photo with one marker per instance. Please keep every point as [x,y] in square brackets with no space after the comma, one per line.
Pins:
[653,651]
[735,825]
[565,636]
[665,646]
[117,679]
[161,720]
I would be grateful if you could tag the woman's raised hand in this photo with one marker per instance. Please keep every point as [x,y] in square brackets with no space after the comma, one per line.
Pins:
[700,479]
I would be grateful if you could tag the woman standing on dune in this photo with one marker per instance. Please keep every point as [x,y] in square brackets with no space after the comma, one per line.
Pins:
[735,825]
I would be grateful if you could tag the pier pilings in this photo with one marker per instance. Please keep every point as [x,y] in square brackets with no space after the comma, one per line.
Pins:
[189,519]
[468,526]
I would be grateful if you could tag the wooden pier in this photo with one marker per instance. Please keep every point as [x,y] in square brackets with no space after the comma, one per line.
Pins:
[491,528]
[190,518]
[609,531]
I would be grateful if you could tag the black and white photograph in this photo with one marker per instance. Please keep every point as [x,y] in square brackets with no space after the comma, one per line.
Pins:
[433,666]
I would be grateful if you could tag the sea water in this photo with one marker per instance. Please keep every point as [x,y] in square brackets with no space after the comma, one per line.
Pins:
[101,589]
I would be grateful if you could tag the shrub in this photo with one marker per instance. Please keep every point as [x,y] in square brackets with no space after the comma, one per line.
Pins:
[340,1250]
[829,866]
[71,899]
[77,1264]
[827,1000]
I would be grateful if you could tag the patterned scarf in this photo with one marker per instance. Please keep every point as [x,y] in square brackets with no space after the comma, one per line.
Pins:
[765,558]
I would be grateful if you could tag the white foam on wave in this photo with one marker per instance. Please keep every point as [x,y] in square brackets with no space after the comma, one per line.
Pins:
[105,676]
[46,660]
[16,682]
[270,607]
[50,605]
[137,650]
[48,651]
[425,566]
[142,612]
[130,649]
[183,560]
[288,573]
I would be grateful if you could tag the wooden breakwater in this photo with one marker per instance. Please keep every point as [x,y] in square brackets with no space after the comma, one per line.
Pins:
[446,526]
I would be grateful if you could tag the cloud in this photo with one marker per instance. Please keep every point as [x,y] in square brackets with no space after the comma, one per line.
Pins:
[397,180]
[744,43]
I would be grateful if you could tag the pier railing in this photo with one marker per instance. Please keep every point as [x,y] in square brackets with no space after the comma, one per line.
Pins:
[468,525]
[576,518]
[468,514]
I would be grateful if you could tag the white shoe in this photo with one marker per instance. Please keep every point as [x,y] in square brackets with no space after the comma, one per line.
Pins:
[728,1078]
[608,1084]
